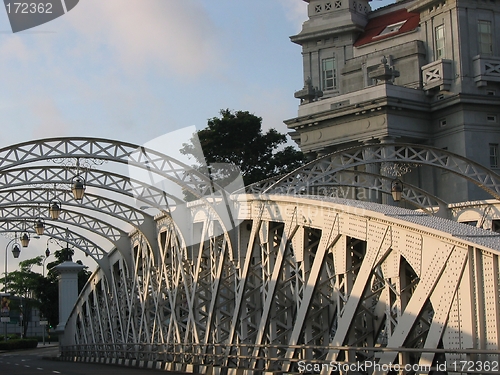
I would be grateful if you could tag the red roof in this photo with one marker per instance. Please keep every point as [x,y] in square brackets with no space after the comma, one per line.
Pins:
[376,25]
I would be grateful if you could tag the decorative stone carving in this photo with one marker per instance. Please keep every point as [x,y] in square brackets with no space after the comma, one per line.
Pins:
[309,93]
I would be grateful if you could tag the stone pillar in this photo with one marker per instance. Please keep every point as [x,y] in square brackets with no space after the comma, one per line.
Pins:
[388,169]
[374,168]
[68,290]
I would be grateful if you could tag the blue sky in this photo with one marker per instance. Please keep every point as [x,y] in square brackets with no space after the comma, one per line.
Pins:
[134,70]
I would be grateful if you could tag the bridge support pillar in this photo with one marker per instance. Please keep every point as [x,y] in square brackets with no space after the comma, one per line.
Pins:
[374,168]
[68,290]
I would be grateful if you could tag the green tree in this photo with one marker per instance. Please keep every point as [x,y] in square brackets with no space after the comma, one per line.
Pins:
[37,291]
[237,139]
[47,293]
[65,254]
[24,283]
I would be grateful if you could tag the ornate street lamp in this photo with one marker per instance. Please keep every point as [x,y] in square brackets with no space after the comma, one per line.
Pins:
[39,227]
[16,251]
[39,223]
[47,253]
[25,240]
[55,208]
[396,189]
[78,188]
[25,237]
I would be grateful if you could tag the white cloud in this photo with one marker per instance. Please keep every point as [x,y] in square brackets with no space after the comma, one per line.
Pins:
[49,120]
[296,11]
[142,33]
[14,49]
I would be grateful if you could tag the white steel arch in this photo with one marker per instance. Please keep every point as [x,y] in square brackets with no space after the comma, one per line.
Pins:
[18,184]
[417,197]
[107,150]
[322,171]
[48,175]
[154,163]
[305,279]
[300,279]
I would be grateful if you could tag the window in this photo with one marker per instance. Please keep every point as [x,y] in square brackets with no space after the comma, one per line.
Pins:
[472,223]
[493,155]
[329,74]
[495,225]
[389,29]
[485,37]
[439,36]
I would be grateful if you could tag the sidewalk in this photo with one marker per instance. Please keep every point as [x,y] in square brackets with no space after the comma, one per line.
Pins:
[54,347]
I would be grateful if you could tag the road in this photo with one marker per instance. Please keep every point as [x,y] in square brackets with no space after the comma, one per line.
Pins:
[30,362]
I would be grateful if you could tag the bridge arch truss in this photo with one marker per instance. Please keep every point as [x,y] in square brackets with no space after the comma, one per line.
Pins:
[301,279]
[306,280]
[34,172]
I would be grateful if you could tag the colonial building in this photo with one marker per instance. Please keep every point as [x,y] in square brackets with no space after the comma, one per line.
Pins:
[417,71]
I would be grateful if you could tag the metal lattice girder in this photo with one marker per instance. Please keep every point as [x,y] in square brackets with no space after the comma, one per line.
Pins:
[303,276]
[322,171]
[127,214]
[150,165]
[47,176]
[64,235]
[113,208]
[350,178]
[93,224]
[136,156]
[131,216]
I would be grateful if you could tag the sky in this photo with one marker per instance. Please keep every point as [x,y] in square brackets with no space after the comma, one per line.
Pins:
[134,70]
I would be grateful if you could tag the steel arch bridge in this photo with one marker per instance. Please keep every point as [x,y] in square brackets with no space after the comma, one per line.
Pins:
[301,283]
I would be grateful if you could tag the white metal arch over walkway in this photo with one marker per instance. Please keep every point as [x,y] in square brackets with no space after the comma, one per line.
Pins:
[275,283]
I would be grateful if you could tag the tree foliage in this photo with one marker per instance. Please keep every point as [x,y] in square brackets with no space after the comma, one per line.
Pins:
[24,283]
[38,291]
[237,138]
[63,255]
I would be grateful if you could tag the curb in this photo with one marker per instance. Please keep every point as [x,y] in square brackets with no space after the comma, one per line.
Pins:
[150,365]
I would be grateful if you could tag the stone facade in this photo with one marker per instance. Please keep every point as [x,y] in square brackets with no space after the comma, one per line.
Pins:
[417,71]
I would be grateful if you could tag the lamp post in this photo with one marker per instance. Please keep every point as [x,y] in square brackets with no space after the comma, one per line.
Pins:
[47,253]
[15,251]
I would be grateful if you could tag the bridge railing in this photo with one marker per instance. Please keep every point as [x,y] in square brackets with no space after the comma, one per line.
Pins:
[306,358]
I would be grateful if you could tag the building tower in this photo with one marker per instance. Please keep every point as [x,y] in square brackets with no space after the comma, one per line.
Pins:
[417,71]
